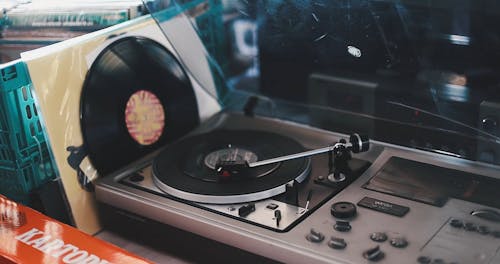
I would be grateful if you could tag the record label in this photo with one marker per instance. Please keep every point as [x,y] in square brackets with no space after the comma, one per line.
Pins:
[145,117]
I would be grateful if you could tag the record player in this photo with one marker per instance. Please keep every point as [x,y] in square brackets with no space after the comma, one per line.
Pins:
[275,196]
[345,167]
[322,220]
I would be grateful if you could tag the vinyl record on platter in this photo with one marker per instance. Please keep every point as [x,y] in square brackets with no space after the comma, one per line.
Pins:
[186,169]
[136,98]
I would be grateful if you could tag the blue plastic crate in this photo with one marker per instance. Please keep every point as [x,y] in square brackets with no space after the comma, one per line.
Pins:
[22,178]
[19,116]
[25,161]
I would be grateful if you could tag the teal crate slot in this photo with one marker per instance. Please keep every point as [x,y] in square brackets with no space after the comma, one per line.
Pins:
[26,176]
[19,113]
[25,162]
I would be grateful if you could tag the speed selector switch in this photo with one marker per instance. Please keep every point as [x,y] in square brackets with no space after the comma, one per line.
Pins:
[343,210]
[373,254]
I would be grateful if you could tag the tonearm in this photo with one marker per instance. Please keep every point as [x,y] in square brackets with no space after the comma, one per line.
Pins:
[339,153]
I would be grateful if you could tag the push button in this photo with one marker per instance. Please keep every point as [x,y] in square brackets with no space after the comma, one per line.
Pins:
[470,226]
[456,223]
[272,206]
[246,209]
[399,242]
[315,236]
[424,260]
[342,226]
[378,236]
[337,243]
[373,254]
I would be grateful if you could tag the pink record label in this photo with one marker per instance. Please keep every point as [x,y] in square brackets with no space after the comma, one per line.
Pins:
[145,117]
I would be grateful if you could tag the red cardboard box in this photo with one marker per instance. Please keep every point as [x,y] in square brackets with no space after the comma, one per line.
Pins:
[27,236]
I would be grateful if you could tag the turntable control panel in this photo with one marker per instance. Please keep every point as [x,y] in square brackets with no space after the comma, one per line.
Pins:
[381,233]
[395,205]
[269,213]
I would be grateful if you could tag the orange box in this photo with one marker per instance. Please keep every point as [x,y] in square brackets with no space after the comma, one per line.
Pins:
[27,236]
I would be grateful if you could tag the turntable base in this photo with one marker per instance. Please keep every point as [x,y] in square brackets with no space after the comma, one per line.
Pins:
[162,243]
[389,226]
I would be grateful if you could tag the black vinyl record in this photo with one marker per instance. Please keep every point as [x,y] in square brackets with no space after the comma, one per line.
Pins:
[136,98]
[185,168]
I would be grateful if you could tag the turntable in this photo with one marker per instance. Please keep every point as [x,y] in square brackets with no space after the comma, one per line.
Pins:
[377,213]
[247,175]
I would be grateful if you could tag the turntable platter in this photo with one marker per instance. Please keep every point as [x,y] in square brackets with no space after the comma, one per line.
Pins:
[186,169]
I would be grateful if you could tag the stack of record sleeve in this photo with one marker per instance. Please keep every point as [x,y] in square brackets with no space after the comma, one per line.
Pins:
[27,25]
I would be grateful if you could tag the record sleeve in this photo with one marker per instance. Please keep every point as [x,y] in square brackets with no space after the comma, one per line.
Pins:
[59,73]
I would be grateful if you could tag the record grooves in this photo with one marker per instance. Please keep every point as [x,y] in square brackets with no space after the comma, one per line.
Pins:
[181,169]
[116,128]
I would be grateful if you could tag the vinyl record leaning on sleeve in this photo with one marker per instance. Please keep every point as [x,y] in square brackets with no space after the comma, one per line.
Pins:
[136,98]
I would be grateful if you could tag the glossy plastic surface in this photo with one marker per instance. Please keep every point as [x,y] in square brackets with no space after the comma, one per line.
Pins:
[27,236]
